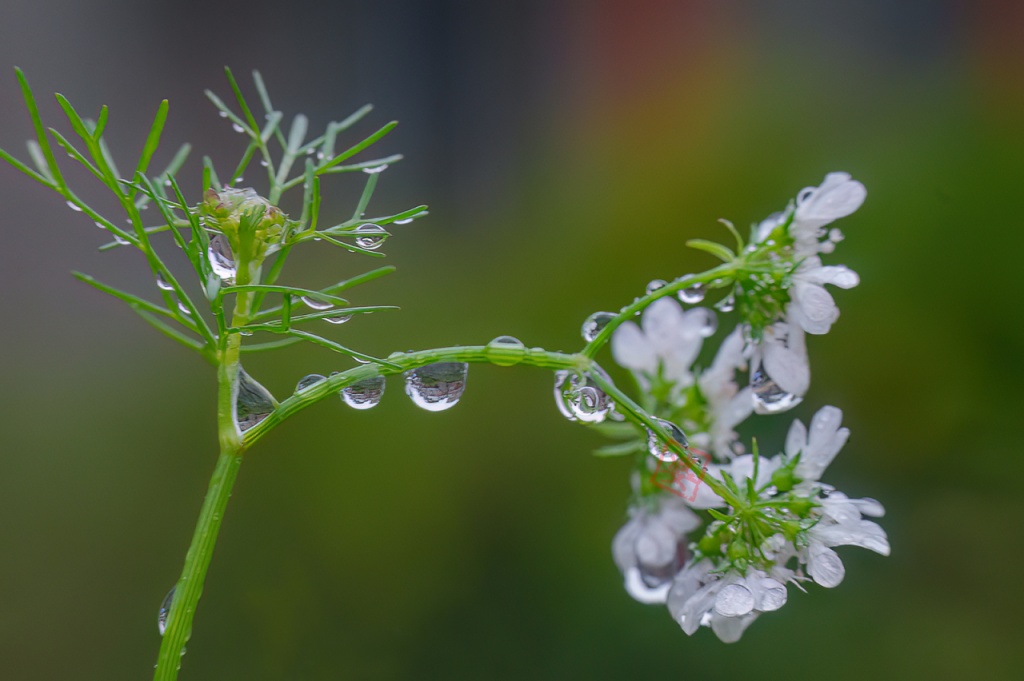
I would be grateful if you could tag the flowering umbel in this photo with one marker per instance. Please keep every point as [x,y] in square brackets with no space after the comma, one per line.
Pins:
[720,559]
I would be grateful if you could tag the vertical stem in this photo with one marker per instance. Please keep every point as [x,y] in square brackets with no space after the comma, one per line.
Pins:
[190,586]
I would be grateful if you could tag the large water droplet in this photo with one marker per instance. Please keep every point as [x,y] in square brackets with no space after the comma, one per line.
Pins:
[74,207]
[162,283]
[364,394]
[338,320]
[579,399]
[691,295]
[436,387]
[506,351]
[308,380]
[373,236]
[660,449]
[315,304]
[221,260]
[165,610]
[655,284]
[594,323]
[253,402]
[769,398]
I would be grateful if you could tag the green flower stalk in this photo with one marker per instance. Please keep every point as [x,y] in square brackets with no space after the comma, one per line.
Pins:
[764,521]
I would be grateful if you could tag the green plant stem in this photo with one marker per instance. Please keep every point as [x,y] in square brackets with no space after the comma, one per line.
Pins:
[715,277]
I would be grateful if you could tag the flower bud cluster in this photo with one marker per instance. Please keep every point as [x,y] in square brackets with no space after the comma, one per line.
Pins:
[720,562]
[253,226]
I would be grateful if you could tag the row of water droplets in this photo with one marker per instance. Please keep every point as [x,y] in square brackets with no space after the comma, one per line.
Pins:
[433,387]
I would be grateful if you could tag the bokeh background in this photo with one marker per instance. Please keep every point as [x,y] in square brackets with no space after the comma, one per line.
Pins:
[567,151]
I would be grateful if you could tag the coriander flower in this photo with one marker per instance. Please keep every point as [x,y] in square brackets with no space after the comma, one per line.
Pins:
[836,197]
[652,546]
[667,337]
[727,603]
[818,447]
[841,524]
[811,305]
[728,405]
[780,372]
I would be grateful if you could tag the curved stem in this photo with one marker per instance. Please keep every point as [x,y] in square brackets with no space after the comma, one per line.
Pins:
[723,272]
[401,362]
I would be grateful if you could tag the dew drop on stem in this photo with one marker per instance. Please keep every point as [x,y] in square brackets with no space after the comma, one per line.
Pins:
[691,295]
[369,236]
[594,323]
[655,284]
[506,351]
[162,283]
[660,449]
[73,206]
[307,381]
[364,394]
[376,169]
[436,387]
[313,303]
[338,320]
[579,399]
[222,262]
[769,398]
[253,402]
[165,610]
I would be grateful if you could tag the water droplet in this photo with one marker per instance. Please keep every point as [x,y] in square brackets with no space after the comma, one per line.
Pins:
[769,398]
[118,239]
[376,169]
[184,309]
[691,295]
[579,399]
[222,114]
[404,222]
[264,163]
[370,243]
[594,323]
[364,394]
[165,610]
[655,284]
[253,402]
[338,320]
[162,283]
[237,128]
[168,183]
[100,225]
[310,151]
[436,387]
[74,207]
[708,323]
[316,304]
[245,332]
[506,351]
[727,304]
[661,450]
[308,380]
[320,156]
[222,262]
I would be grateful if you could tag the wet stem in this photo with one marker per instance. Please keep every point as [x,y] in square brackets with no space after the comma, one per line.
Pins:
[232,444]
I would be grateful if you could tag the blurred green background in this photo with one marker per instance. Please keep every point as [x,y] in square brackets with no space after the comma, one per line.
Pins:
[567,151]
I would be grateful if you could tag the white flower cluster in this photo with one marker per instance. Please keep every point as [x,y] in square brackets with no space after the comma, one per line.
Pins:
[720,564]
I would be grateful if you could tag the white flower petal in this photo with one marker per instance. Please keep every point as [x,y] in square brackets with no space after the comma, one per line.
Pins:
[734,600]
[796,439]
[785,358]
[863,533]
[730,629]
[639,591]
[816,308]
[631,349]
[770,594]
[869,507]
[837,275]
[837,197]
[824,565]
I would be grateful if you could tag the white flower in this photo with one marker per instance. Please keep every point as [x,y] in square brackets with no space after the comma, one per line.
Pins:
[651,547]
[812,307]
[836,197]
[729,603]
[841,524]
[670,338]
[728,405]
[739,469]
[818,448]
[780,372]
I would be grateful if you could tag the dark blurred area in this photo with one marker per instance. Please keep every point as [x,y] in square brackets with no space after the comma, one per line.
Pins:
[567,151]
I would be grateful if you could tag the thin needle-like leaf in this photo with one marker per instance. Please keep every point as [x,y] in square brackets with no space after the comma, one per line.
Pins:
[152,140]
[25,169]
[37,124]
